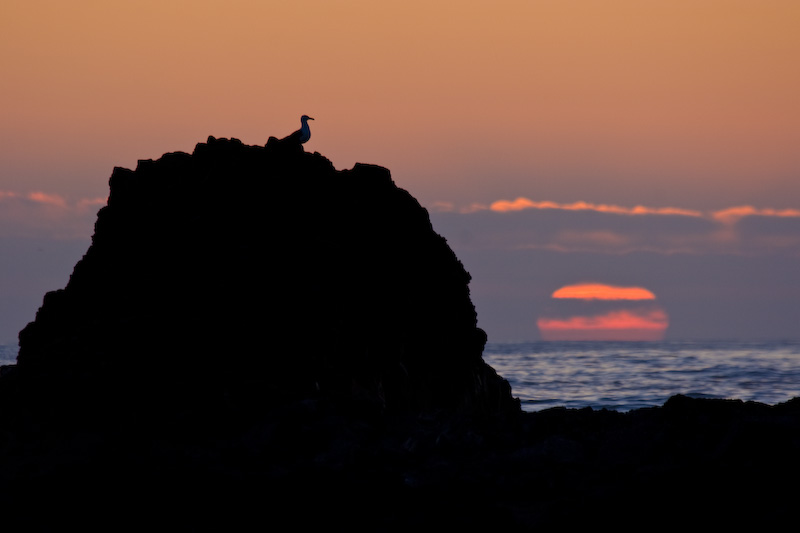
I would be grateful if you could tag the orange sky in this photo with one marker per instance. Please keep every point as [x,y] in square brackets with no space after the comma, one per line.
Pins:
[686,110]
[555,100]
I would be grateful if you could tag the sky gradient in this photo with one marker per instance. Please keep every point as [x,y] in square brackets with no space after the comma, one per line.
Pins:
[649,144]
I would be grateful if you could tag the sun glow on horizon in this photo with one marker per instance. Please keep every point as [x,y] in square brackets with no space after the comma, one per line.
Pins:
[632,315]
[627,325]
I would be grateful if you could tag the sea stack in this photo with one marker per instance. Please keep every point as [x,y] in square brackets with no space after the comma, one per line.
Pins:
[244,312]
[262,271]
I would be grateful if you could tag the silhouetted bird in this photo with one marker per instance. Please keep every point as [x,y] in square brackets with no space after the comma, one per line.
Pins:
[303,134]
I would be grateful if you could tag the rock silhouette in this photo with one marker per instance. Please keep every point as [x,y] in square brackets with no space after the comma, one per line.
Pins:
[264,265]
[255,335]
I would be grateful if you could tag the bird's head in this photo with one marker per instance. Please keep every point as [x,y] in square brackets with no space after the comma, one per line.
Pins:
[305,117]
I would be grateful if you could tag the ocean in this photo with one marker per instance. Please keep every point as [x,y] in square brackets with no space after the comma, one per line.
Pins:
[622,376]
[8,354]
[630,375]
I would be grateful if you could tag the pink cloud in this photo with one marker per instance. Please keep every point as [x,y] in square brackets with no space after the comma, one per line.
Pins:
[7,194]
[593,238]
[732,215]
[727,216]
[39,213]
[503,206]
[88,203]
[450,207]
[47,199]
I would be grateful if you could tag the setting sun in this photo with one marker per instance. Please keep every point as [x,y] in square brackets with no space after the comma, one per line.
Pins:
[592,311]
[600,291]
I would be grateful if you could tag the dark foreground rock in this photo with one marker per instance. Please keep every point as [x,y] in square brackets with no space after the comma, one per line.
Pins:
[257,339]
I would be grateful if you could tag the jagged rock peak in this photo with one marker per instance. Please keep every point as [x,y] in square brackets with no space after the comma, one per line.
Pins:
[269,273]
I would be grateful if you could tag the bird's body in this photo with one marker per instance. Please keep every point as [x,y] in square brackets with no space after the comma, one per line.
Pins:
[302,135]
[305,131]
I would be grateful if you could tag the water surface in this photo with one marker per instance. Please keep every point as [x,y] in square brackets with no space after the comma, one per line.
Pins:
[629,375]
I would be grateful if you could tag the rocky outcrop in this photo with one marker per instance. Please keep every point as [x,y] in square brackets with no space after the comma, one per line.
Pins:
[264,271]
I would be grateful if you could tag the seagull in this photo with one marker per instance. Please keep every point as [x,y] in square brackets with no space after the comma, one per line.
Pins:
[303,134]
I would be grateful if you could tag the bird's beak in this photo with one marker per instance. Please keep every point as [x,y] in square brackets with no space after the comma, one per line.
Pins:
[310,118]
